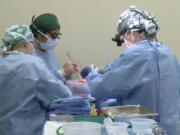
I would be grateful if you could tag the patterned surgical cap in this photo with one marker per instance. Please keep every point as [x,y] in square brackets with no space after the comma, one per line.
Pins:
[135,19]
[14,35]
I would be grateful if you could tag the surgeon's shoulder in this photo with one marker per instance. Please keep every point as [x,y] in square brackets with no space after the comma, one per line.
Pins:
[130,51]
[33,61]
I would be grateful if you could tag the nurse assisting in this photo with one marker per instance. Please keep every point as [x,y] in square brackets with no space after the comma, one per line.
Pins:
[46,30]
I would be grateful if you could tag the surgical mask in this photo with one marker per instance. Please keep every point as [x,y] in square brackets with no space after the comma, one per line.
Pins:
[49,44]
[127,43]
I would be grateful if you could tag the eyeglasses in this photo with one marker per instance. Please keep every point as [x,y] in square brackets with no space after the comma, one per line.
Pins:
[55,35]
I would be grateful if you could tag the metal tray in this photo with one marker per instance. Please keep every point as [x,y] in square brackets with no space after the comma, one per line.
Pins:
[128,111]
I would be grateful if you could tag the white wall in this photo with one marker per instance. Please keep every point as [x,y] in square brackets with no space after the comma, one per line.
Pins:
[88,25]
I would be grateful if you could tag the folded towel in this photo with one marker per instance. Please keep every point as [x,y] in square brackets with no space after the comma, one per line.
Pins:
[72,110]
[74,105]
[70,102]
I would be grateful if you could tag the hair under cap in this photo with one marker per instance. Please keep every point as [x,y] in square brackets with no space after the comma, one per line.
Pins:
[44,23]
[14,35]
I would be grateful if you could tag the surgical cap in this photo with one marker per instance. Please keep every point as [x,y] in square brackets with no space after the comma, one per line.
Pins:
[16,34]
[135,19]
[44,23]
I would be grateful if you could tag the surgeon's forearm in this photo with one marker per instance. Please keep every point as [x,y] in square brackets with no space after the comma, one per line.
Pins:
[63,77]
[65,74]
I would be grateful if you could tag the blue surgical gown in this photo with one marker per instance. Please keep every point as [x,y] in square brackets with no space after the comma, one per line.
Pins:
[148,74]
[27,88]
[49,58]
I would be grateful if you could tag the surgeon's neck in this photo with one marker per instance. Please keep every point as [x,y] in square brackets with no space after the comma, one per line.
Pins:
[23,50]
[137,41]
[22,47]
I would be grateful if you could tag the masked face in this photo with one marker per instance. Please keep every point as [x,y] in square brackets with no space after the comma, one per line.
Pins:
[128,39]
[127,43]
[50,44]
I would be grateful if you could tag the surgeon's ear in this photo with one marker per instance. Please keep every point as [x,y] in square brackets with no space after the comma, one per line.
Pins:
[41,38]
[26,45]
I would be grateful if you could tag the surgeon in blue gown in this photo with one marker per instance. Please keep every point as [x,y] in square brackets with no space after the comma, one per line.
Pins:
[27,87]
[46,30]
[146,73]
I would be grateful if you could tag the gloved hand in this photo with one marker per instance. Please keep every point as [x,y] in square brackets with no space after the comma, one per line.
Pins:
[85,71]
[70,67]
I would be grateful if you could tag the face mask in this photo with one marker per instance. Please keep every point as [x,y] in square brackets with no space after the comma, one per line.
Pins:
[126,42]
[49,44]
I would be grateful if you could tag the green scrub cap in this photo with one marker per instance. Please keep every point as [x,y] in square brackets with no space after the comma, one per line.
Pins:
[16,34]
[44,23]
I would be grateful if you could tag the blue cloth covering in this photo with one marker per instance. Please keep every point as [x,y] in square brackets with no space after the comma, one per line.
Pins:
[70,102]
[106,103]
[148,74]
[59,76]
[73,110]
[74,105]
[26,90]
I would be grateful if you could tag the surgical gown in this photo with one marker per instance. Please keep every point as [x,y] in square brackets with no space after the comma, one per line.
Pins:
[49,58]
[148,74]
[27,88]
